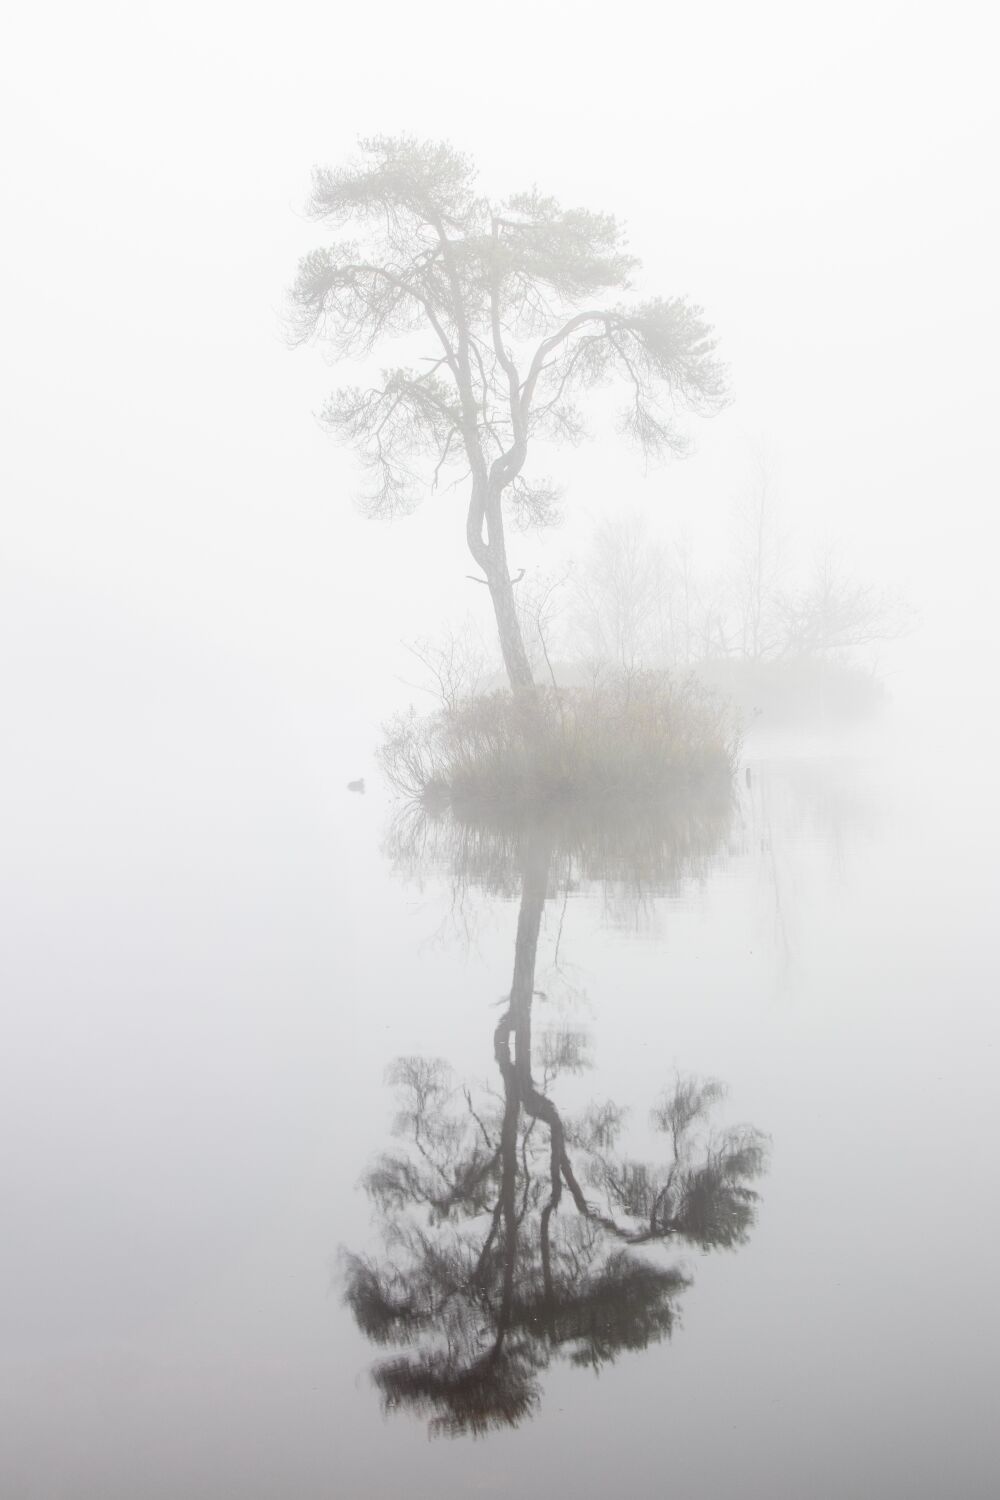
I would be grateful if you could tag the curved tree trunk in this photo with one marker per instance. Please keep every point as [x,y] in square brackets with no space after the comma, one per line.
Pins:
[515,657]
[490,552]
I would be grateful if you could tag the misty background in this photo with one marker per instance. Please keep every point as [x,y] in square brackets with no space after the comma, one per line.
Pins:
[200,635]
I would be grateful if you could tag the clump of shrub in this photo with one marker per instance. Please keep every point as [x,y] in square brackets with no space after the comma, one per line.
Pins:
[629,736]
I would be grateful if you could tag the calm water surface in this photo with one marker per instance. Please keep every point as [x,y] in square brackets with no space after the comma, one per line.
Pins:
[349,1157]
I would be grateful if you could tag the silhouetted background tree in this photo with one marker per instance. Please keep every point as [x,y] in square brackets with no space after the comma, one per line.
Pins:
[520,304]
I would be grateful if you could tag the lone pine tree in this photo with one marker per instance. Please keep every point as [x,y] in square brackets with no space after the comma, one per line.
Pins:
[519,302]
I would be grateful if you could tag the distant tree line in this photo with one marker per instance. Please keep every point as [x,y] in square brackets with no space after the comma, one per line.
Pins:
[637,601]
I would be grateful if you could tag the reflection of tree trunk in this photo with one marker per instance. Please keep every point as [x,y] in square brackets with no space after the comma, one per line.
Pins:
[508,1179]
[535,875]
[519,1085]
[521,1092]
[516,1071]
[534,884]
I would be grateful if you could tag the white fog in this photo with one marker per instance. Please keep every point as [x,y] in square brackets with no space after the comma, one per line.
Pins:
[216,956]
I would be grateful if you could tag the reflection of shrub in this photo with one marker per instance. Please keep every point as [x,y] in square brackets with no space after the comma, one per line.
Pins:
[642,843]
[628,736]
[795,690]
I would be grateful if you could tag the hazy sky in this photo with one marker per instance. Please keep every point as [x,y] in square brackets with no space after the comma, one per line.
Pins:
[822,181]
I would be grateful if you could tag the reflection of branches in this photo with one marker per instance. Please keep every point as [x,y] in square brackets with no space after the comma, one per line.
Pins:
[485,1280]
[701,1194]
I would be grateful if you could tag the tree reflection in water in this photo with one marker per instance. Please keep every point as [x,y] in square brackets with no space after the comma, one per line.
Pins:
[496,1259]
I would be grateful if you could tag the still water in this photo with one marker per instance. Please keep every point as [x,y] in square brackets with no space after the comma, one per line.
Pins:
[347,1155]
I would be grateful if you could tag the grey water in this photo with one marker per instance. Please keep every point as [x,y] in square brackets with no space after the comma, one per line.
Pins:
[281,1116]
